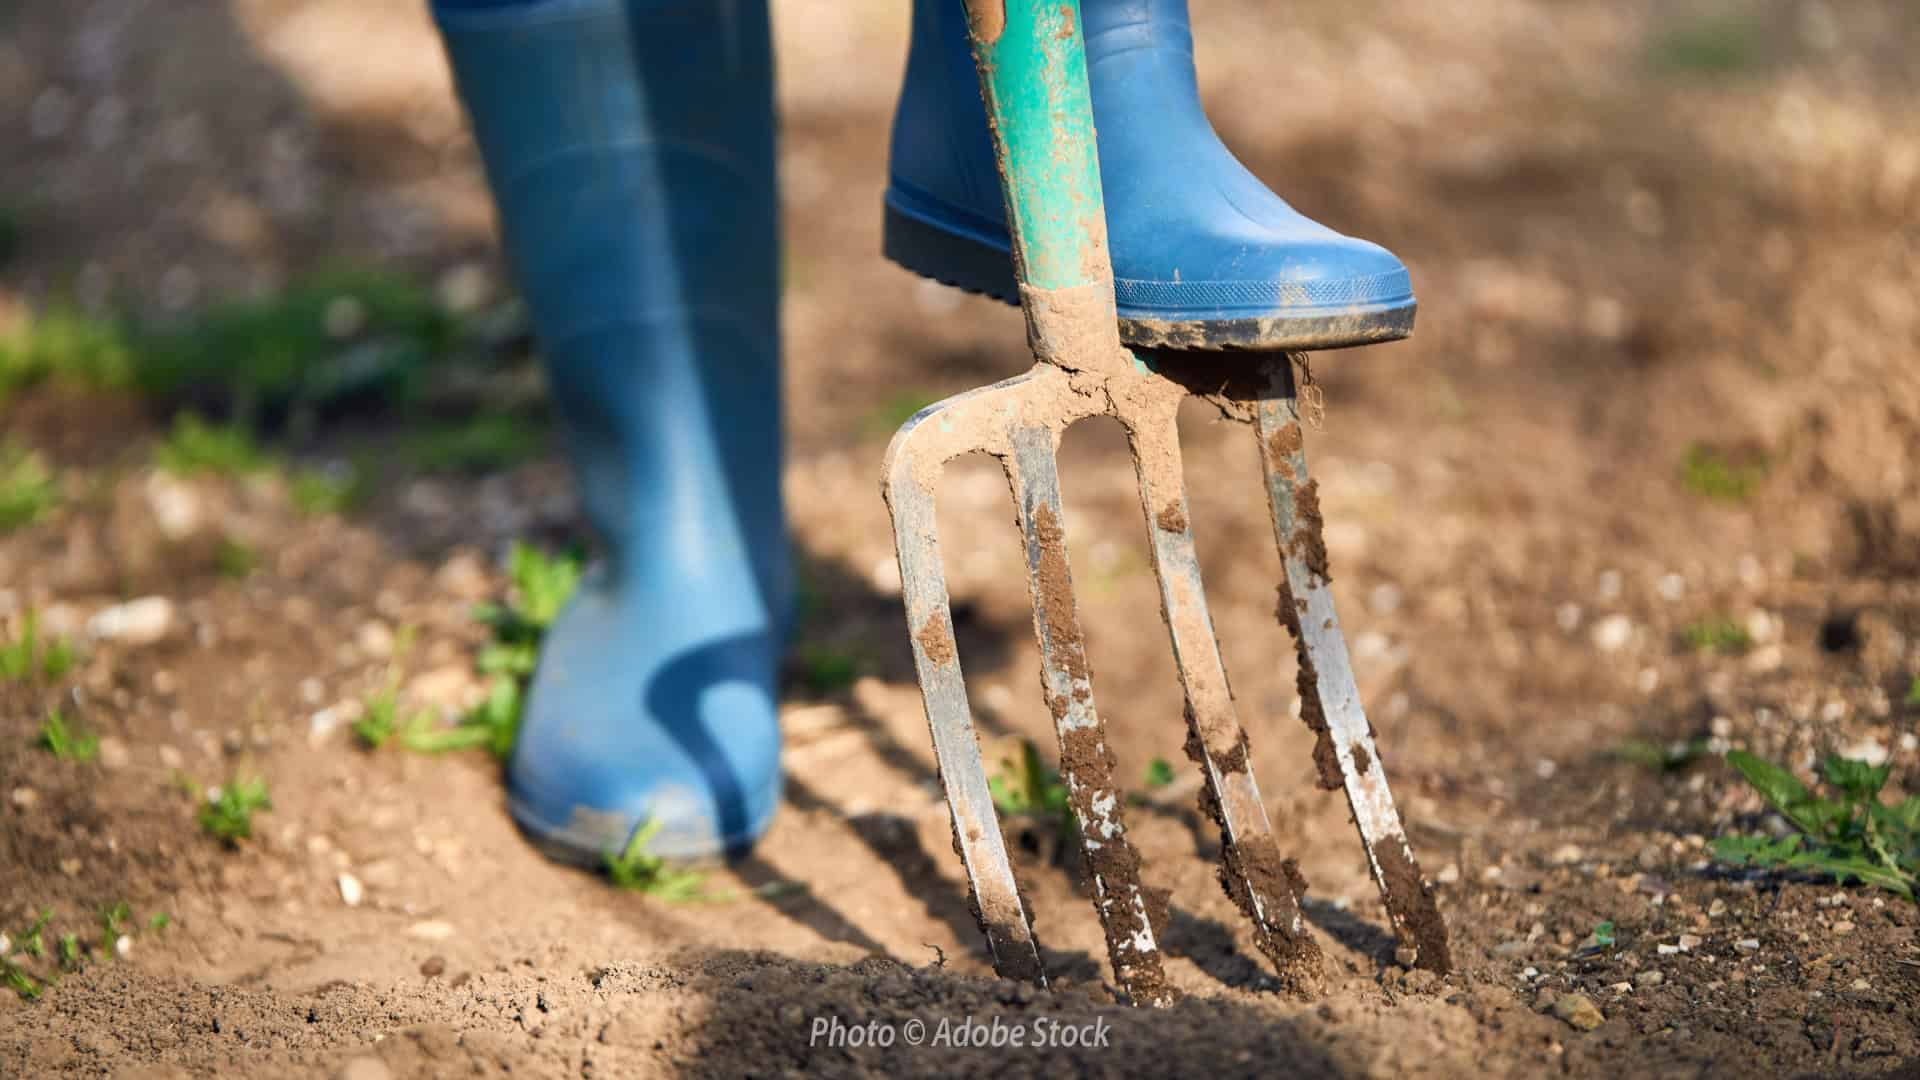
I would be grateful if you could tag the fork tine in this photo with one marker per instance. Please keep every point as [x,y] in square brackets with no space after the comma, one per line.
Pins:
[913,466]
[1329,697]
[1263,885]
[1130,914]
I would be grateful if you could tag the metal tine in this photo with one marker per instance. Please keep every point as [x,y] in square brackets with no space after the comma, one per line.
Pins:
[1262,884]
[1329,698]
[1128,911]
[914,461]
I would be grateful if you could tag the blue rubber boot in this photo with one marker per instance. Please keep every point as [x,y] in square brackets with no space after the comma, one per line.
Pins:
[1204,255]
[629,144]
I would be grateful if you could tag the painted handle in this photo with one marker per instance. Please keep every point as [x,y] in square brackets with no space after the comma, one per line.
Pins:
[1033,74]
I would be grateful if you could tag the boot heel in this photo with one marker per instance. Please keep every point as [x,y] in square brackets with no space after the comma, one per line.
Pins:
[946,257]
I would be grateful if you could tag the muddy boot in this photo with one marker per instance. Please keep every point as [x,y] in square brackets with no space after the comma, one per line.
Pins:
[629,144]
[1204,255]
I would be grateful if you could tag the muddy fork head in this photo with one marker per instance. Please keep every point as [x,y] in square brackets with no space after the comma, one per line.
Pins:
[1033,77]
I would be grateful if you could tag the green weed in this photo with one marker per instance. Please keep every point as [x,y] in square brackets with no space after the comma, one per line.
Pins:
[1659,756]
[380,718]
[234,559]
[633,868]
[159,921]
[226,812]
[1913,691]
[27,487]
[64,346]
[330,490]
[195,446]
[541,585]
[492,725]
[1159,773]
[484,443]
[69,952]
[64,742]
[27,657]
[113,923]
[32,940]
[1720,634]
[327,337]
[824,669]
[1850,837]
[21,983]
[1715,474]
[1024,786]
[1709,46]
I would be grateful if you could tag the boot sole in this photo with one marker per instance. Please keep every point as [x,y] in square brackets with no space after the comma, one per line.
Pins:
[981,267]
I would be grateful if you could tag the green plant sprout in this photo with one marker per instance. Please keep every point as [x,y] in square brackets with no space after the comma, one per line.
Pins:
[25,657]
[331,490]
[1659,756]
[1852,837]
[1027,787]
[1715,474]
[195,446]
[64,742]
[1721,635]
[27,487]
[113,923]
[226,812]
[634,869]
[1159,773]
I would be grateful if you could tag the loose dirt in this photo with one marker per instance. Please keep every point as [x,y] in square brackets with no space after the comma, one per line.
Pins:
[1621,253]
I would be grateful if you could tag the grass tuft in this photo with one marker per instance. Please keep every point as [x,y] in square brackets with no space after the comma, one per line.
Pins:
[1025,786]
[1720,634]
[634,869]
[482,444]
[226,812]
[27,487]
[65,742]
[541,586]
[195,446]
[28,657]
[1715,474]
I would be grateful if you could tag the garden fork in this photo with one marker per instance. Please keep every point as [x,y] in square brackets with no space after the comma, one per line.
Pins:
[1032,68]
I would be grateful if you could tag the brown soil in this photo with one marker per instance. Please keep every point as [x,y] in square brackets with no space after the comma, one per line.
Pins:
[1619,257]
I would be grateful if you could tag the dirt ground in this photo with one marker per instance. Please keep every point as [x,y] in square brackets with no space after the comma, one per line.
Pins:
[1636,230]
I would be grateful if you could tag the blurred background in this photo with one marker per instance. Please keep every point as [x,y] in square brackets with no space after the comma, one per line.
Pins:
[1644,485]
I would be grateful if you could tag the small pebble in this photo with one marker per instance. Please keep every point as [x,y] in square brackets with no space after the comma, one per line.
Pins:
[433,966]
[1716,909]
[1666,950]
[1844,926]
[1650,977]
[1689,942]
[123,946]
[1448,874]
[113,752]
[1612,633]
[1578,1011]
[351,891]
[1861,984]
[25,798]
[431,930]
[136,622]
[1748,944]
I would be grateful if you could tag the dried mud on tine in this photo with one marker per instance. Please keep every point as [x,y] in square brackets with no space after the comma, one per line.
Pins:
[1131,918]
[1251,869]
[1344,755]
